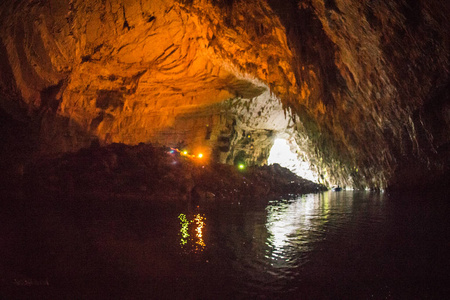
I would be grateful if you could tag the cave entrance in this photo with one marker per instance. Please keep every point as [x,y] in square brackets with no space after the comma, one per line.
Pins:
[260,131]
[285,153]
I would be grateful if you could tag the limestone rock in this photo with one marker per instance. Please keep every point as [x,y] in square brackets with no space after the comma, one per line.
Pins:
[365,83]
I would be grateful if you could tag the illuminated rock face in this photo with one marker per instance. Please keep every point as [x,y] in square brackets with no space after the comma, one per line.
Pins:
[130,72]
[363,85]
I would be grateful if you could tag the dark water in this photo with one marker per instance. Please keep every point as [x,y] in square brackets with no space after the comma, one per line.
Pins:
[335,245]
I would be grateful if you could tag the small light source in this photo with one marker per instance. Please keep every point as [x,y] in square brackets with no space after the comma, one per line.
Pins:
[200,155]
[241,166]
[185,152]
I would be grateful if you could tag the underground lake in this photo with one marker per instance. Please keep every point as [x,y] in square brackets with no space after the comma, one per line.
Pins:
[224,149]
[329,245]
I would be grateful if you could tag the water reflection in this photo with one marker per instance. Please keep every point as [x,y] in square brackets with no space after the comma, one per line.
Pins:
[184,231]
[346,245]
[199,230]
[191,237]
[290,223]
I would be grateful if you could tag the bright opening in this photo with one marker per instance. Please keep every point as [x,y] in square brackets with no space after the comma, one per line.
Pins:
[282,154]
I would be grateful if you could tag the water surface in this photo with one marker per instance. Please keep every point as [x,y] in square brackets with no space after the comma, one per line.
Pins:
[334,245]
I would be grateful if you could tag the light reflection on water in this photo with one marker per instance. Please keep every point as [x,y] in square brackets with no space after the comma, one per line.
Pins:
[192,236]
[346,245]
[274,247]
[275,238]
[293,220]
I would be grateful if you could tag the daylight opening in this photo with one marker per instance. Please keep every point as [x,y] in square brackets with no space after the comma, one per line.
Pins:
[282,154]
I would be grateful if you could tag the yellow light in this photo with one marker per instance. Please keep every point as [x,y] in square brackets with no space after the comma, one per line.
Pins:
[200,155]
[185,152]
[199,230]
[186,239]
[241,167]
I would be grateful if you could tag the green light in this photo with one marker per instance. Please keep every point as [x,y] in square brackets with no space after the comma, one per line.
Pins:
[241,166]
[187,240]
[184,229]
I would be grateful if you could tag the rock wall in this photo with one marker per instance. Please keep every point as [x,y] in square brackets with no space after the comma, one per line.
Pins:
[366,81]
[379,76]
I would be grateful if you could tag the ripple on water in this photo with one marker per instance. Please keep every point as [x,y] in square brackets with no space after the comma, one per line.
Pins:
[330,245]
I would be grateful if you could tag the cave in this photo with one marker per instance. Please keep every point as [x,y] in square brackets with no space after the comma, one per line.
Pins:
[206,102]
[365,110]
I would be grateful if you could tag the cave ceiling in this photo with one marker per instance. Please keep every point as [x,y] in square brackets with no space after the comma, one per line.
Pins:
[361,86]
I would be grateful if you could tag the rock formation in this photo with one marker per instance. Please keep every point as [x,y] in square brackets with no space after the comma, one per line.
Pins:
[361,86]
[148,172]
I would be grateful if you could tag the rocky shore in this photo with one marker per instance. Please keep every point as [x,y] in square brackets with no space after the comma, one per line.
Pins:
[160,173]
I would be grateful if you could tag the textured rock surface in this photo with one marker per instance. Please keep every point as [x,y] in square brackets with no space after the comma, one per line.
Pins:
[158,173]
[366,81]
